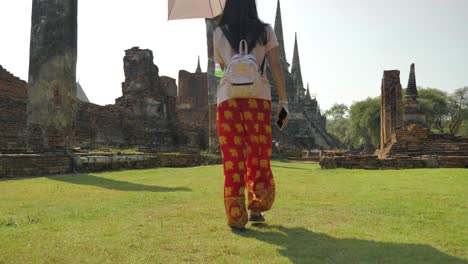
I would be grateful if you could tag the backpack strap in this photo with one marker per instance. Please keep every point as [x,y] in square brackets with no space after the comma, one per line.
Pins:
[243,47]
[262,68]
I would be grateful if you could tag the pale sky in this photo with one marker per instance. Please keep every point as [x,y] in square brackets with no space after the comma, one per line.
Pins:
[345,45]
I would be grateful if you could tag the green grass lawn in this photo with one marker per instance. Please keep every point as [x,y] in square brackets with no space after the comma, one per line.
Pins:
[177,215]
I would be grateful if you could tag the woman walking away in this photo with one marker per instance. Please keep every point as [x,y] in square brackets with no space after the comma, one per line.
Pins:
[242,43]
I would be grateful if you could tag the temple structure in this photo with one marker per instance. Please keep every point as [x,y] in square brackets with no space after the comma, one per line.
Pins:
[307,125]
[412,113]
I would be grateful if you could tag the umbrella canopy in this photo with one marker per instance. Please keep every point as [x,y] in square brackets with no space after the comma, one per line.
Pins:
[182,9]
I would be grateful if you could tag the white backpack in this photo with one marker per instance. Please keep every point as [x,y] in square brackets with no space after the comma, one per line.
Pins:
[243,74]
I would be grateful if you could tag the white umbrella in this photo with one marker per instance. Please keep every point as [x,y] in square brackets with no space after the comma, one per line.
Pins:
[182,9]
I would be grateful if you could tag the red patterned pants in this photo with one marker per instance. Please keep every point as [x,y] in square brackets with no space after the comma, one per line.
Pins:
[244,132]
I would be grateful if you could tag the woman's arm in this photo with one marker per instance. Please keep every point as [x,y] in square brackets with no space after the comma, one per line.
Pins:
[273,58]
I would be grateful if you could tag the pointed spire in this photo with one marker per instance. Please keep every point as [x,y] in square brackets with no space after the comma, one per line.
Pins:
[279,33]
[308,93]
[198,67]
[296,67]
[412,90]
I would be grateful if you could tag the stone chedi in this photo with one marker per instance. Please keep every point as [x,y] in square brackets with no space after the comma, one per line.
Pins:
[307,126]
[412,113]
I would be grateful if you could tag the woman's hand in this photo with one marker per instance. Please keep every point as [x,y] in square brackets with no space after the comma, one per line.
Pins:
[282,105]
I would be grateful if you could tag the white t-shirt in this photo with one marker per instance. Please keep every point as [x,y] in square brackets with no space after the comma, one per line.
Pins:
[223,52]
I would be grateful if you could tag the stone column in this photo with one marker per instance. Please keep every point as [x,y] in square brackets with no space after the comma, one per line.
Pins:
[52,74]
[213,82]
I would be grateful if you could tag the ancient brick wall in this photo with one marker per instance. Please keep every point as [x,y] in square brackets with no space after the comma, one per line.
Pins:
[116,127]
[26,165]
[193,89]
[193,124]
[400,162]
[13,117]
[416,140]
[98,126]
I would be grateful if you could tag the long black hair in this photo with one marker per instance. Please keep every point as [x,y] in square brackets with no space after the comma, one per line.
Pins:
[240,21]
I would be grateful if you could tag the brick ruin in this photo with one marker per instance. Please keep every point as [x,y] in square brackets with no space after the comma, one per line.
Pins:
[143,117]
[193,107]
[391,105]
[406,142]
[409,135]
[48,125]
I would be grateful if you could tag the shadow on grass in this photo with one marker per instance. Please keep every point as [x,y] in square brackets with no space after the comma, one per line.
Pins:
[304,246]
[91,180]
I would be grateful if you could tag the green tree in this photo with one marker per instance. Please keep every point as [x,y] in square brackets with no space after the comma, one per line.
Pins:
[464,129]
[364,119]
[338,121]
[457,110]
[434,104]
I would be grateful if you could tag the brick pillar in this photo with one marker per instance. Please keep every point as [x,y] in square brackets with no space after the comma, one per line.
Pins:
[213,82]
[52,74]
[391,115]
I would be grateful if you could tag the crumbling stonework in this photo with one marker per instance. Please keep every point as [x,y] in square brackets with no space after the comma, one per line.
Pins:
[27,165]
[145,115]
[416,140]
[391,105]
[13,101]
[372,162]
[411,137]
[193,90]
[193,108]
[52,74]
